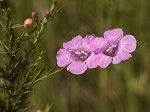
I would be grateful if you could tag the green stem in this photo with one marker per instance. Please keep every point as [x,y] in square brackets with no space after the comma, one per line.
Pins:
[5,90]
[49,75]
[53,68]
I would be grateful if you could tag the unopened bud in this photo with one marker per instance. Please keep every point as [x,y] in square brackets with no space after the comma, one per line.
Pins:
[35,15]
[28,23]
[47,14]
[38,110]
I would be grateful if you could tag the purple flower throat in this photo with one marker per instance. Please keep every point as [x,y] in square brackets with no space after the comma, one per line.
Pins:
[80,54]
[111,50]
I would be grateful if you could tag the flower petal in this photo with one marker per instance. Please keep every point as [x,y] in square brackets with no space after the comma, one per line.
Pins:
[103,60]
[63,58]
[77,67]
[90,61]
[120,57]
[99,45]
[128,43]
[87,41]
[113,36]
[76,41]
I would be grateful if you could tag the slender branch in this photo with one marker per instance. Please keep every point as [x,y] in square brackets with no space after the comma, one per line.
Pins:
[49,75]
[53,68]
[5,90]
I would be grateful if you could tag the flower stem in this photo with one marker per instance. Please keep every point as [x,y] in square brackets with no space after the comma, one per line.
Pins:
[50,74]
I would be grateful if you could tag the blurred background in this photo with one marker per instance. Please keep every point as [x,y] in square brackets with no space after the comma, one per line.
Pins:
[119,88]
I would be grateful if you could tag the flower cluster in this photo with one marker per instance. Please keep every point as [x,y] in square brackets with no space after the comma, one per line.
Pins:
[79,54]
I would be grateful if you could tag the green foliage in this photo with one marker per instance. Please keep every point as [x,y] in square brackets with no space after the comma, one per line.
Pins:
[20,66]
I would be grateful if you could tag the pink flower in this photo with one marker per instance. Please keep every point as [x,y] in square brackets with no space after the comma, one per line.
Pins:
[77,54]
[114,47]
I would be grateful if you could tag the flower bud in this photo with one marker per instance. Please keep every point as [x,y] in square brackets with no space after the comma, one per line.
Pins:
[47,14]
[38,110]
[28,23]
[35,15]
